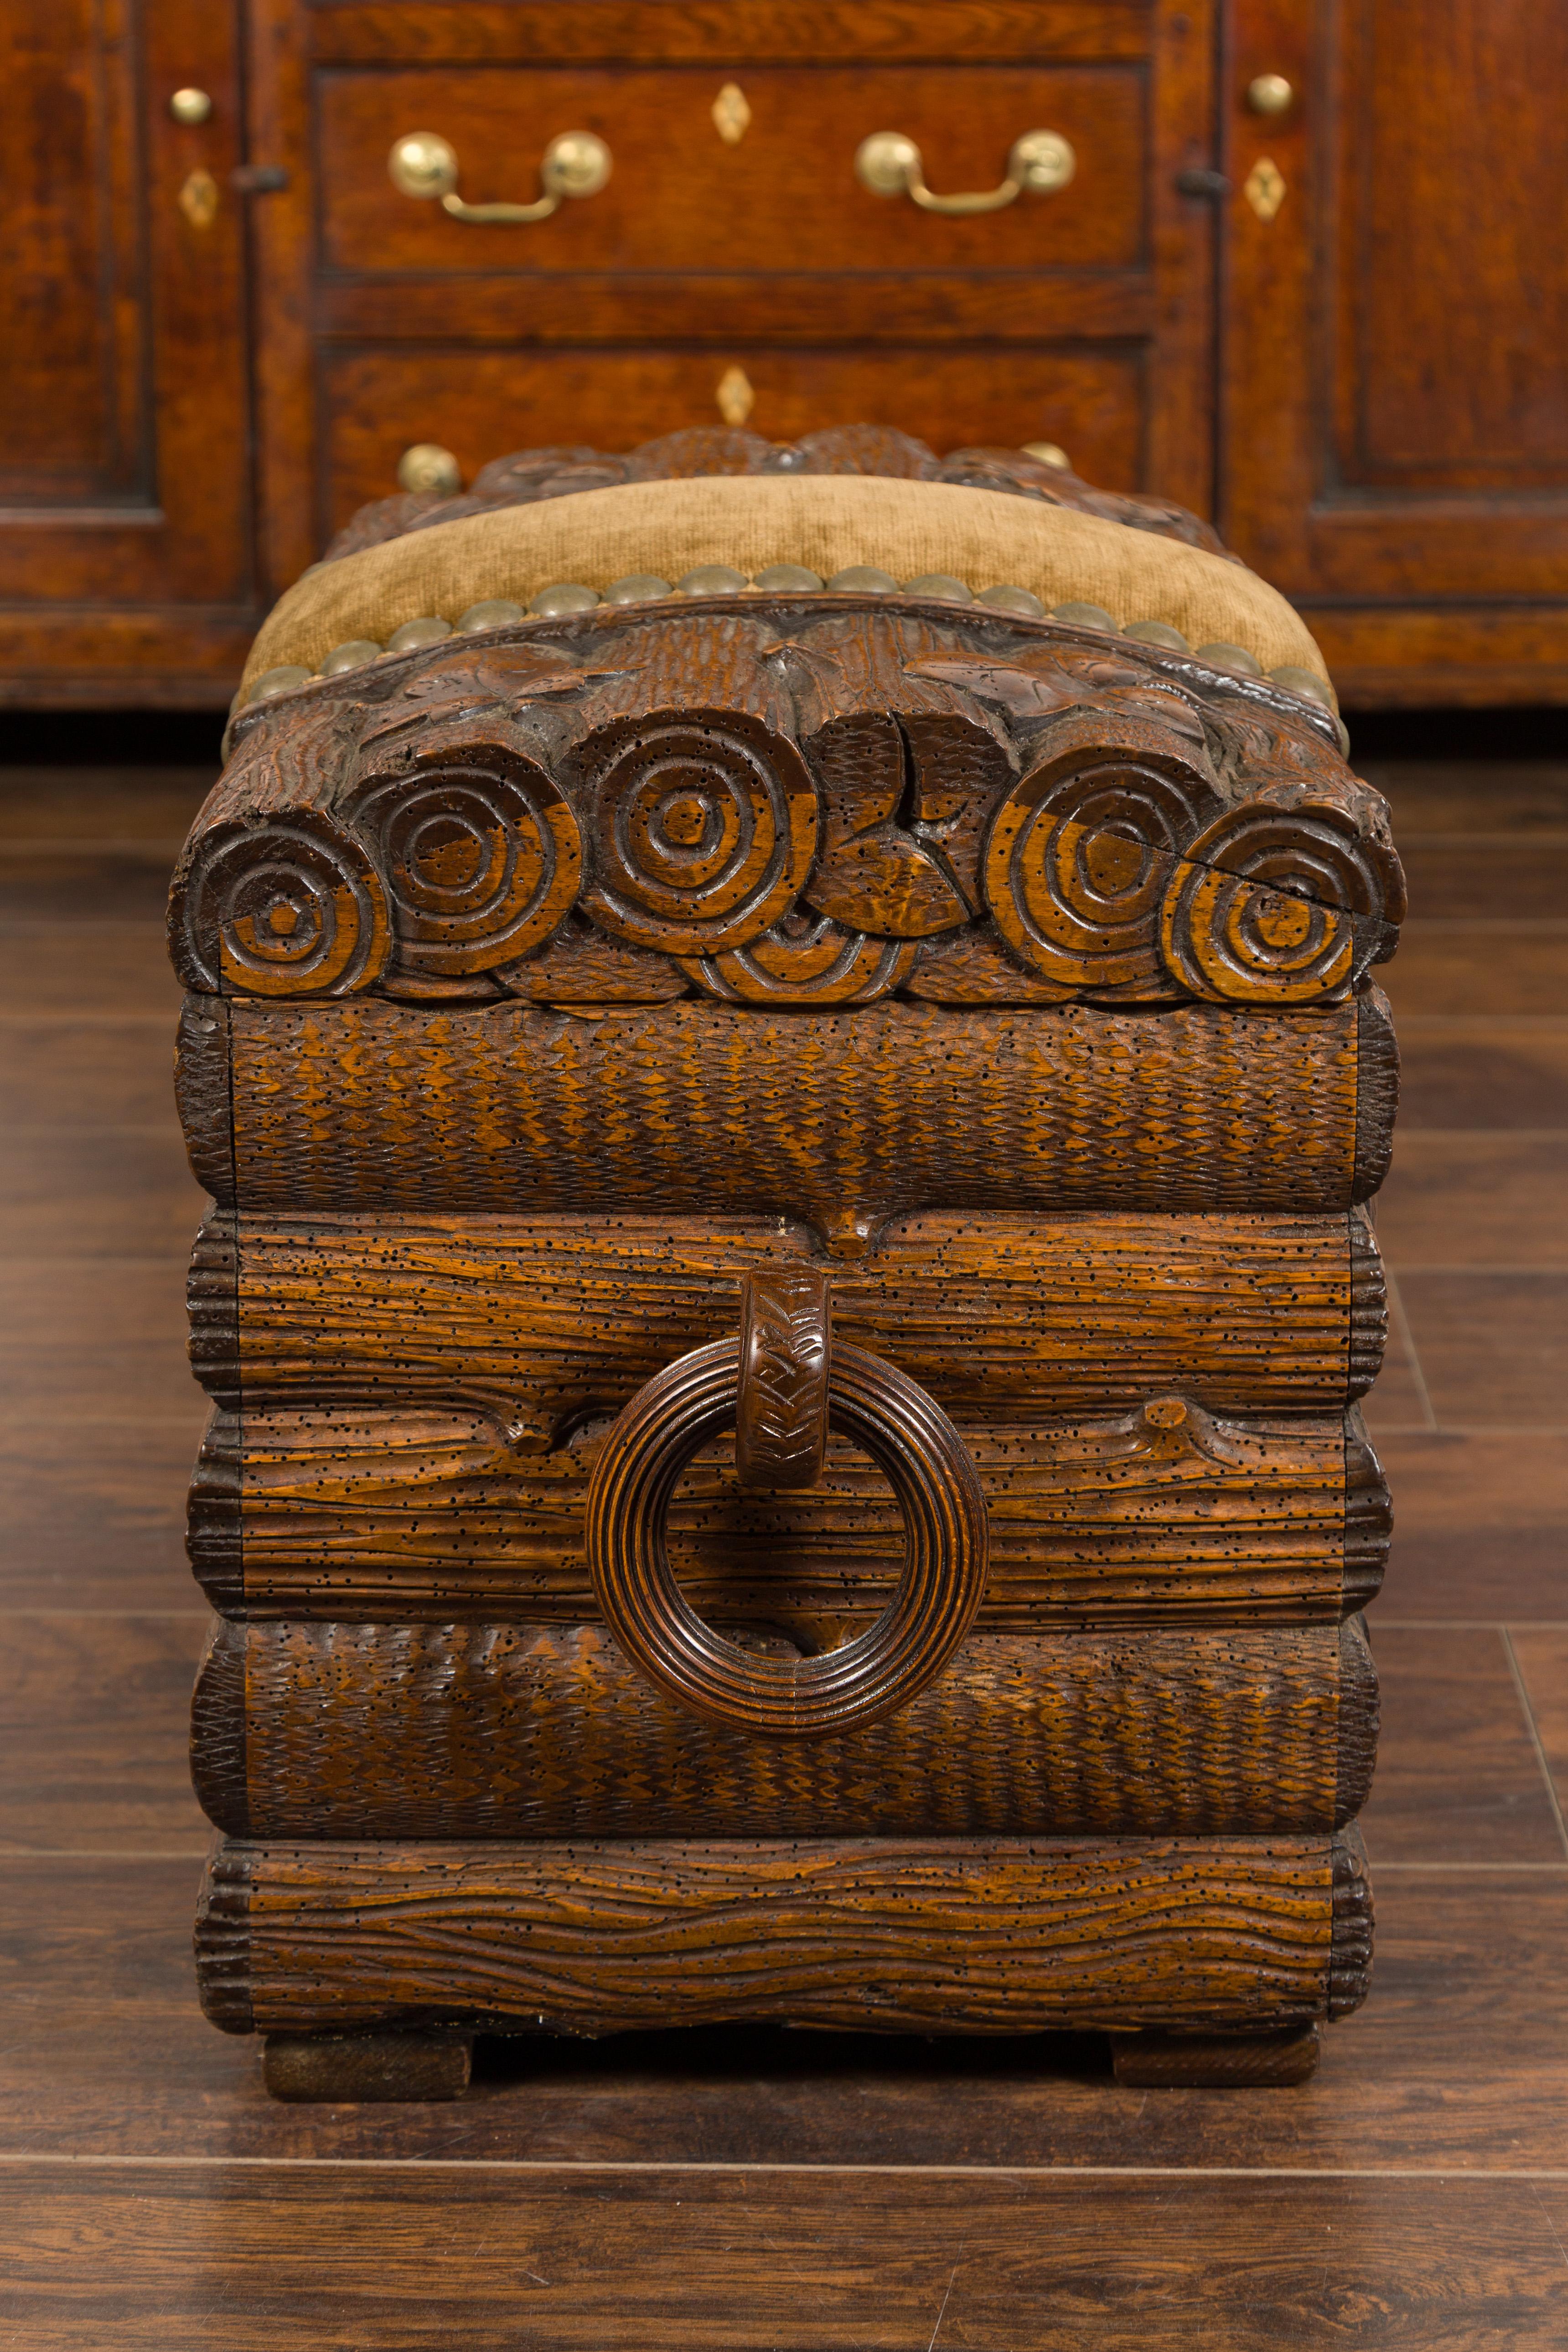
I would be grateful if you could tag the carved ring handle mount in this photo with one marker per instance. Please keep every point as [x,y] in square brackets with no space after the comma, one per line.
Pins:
[424,164]
[781,1410]
[1039,163]
[664,1427]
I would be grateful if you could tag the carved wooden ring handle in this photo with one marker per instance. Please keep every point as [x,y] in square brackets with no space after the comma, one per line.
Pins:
[911,1440]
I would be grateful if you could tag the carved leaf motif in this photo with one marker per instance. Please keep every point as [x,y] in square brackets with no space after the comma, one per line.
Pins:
[909,766]
[873,875]
[477,680]
[1027,692]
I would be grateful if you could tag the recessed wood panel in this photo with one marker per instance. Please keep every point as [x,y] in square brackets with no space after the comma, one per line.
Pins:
[783,196]
[483,404]
[125,540]
[1395,442]
[71,269]
[1454,293]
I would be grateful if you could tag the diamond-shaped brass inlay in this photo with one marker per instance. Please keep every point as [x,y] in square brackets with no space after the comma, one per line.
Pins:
[735,395]
[1264,188]
[731,115]
[198,199]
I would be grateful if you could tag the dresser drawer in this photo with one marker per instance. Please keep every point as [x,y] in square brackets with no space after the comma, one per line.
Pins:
[783,196]
[1090,401]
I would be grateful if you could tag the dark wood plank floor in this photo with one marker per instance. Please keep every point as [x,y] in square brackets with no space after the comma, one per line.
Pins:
[767,2189]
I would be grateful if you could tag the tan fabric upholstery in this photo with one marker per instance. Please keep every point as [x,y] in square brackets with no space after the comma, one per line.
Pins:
[825,522]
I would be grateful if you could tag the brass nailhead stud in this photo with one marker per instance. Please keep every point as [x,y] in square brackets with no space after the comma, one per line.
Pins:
[1013,600]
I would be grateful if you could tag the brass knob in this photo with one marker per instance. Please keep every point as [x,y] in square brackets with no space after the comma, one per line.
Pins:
[1040,163]
[1270,94]
[424,164]
[429,469]
[189,106]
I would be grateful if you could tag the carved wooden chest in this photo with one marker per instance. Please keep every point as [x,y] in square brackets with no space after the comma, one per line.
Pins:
[782,1043]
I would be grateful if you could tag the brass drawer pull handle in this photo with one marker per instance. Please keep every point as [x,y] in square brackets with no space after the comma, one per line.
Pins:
[424,164]
[667,1423]
[1041,162]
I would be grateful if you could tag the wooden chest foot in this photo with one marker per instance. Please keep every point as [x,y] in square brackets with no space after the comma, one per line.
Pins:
[1215,2062]
[366,2066]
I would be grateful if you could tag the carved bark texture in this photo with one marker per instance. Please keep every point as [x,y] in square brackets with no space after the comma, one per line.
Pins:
[1350,1969]
[873,1112]
[544,1321]
[520,1731]
[1368,1517]
[920,1935]
[1162,1514]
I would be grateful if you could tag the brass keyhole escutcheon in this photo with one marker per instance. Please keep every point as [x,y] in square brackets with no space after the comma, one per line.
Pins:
[1264,187]
[734,396]
[731,115]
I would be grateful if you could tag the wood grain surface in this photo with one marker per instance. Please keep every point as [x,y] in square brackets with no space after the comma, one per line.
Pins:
[752,2260]
[704,1108]
[895,1935]
[1165,1514]
[354,1731]
[544,1320]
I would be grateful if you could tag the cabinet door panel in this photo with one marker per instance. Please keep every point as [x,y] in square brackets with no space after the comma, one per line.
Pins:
[124,531]
[1395,428]
[483,404]
[1453,302]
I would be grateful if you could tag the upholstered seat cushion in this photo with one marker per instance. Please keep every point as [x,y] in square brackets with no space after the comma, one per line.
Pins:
[825,522]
